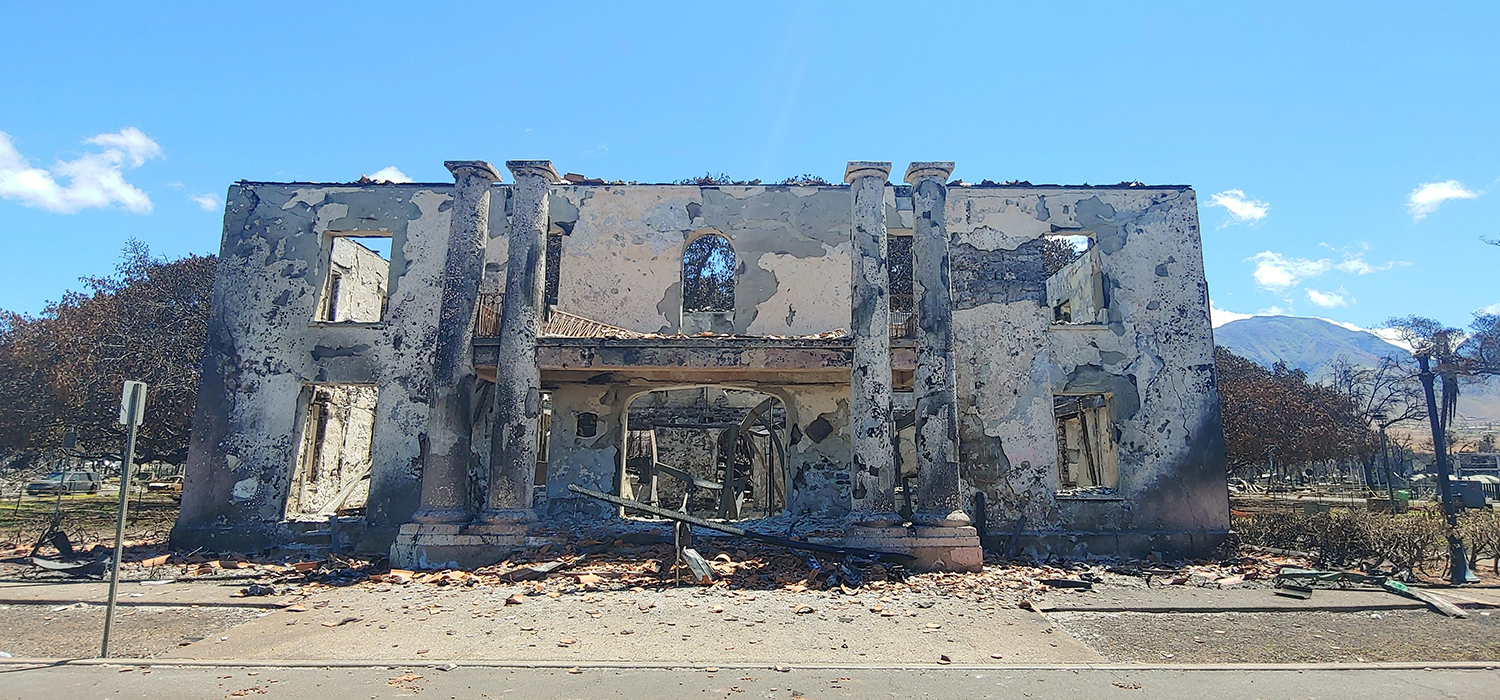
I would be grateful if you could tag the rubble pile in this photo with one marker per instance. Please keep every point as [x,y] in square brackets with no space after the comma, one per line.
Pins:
[600,566]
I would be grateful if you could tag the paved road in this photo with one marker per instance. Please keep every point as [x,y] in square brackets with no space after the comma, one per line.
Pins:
[340,683]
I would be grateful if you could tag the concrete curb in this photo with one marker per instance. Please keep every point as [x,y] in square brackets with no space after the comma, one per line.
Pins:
[1199,610]
[665,665]
[128,603]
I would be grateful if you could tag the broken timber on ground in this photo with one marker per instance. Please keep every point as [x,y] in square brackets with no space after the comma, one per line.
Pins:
[891,557]
[1288,574]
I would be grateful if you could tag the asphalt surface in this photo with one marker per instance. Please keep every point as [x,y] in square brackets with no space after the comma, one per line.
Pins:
[173,683]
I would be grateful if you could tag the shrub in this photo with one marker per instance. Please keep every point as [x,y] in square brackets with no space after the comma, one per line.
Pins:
[1481,529]
[1408,539]
[1341,537]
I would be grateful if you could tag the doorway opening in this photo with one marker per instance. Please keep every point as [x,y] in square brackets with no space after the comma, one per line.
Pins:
[332,474]
[711,452]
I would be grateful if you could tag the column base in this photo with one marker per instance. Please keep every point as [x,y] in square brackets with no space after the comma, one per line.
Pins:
[874,519]
[937,548]
[441,516]
[461,546]
[956,518]
[505,516]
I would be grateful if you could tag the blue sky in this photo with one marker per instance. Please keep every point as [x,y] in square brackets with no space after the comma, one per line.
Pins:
[1352,147]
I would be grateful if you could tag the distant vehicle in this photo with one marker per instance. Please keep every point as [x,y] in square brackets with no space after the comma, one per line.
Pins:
[65,482]
[171,484]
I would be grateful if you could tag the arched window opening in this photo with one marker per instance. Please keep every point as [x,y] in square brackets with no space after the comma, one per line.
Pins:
[708,275]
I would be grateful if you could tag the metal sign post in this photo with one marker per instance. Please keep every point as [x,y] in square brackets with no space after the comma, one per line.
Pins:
[132,411]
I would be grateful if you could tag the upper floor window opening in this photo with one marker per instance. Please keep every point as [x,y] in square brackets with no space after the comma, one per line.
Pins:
[899,266]
[708,275]
[553,258]
[356,280]
[1075,281]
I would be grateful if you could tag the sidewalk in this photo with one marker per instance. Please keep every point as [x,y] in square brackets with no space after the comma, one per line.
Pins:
[686,625]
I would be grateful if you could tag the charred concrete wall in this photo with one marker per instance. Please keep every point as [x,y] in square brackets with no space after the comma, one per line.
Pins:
[1151,352]
[1148,348]
[265,347]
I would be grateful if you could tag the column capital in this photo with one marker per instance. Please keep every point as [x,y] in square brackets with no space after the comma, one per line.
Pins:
[867,168]
[482,168]
[539,168]
[933,169]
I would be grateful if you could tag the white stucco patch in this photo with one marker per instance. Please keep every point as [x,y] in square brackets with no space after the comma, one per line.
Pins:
[245,488]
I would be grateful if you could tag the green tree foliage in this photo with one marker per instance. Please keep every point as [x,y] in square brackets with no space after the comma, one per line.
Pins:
[62,369]
[1278,409]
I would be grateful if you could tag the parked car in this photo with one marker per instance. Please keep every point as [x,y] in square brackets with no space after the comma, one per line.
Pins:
[65,482]
[172,484]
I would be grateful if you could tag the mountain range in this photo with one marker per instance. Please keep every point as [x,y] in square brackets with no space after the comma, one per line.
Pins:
[1312,344]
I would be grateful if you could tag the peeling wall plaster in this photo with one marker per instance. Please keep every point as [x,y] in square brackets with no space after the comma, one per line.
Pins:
[622,261]
[263,347]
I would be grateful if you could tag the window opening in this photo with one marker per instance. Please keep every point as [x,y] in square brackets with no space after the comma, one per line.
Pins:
[1087,456]
[357,280]
[708,275]
[899,263]
[1075,282]
[554,271]
[332,473]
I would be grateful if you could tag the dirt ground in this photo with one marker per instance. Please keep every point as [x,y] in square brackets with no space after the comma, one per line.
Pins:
[1286,637]
[144,632]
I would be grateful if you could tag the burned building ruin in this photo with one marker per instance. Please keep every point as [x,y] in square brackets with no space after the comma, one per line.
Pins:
[427,368]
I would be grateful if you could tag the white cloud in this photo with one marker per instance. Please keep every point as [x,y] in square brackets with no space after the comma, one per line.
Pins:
[1329,300]
[1357,266]
[1491,309]
[1239,206]
[1430,195]
[1277,272]
[1218,317]
[207,202]
[94,179]
[390,174]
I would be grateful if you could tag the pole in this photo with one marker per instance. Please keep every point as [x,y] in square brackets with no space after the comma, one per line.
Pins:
[1385,458]
[132,408]
[1458,564]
